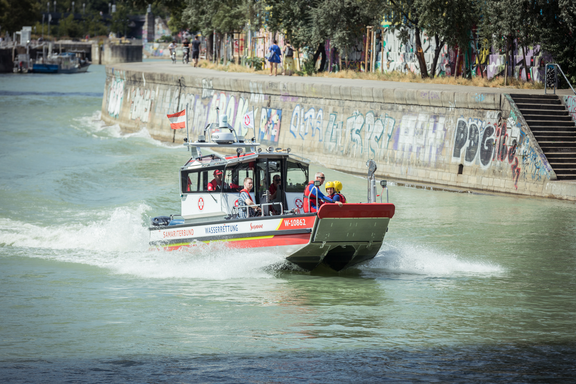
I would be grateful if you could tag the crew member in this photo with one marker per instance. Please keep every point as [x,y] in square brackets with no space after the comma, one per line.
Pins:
[313,194]
[245,200]
[274,187]
[217,184]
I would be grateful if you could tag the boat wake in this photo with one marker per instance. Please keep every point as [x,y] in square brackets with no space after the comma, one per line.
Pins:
[94,126]
[118,242]
[419,260]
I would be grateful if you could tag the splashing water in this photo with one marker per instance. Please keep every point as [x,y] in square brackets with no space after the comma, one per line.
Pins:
[414,259]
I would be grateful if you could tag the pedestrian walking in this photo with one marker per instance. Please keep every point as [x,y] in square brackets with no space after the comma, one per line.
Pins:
[288,59]
[274,57]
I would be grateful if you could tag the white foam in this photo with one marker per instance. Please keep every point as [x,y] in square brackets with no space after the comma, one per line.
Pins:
[121,230]
[119,243]
[97,128]
[420,260]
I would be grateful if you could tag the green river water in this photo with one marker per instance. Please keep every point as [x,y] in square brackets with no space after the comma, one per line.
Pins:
[467,287]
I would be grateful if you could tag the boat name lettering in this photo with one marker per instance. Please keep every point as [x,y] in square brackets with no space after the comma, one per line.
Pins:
[178,233]
[221,229]
[256,226]
[294,222]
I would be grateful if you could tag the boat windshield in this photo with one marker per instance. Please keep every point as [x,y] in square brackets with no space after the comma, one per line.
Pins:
[296,176]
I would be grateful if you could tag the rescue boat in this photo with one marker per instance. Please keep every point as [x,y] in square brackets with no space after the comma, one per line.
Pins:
[338,237]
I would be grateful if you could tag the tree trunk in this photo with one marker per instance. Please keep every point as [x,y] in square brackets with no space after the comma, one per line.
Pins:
[456,64]
[420,55]
[437,51]
[209,45]
[525,65]
[320,51]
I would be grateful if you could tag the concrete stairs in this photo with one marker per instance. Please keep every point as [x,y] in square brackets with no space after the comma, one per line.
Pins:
[554,129]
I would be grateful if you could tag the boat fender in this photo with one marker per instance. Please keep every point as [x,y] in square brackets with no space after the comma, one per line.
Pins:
[161,221]
[176,222]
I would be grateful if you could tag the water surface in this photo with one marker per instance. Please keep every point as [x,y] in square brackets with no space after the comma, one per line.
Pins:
[467,287]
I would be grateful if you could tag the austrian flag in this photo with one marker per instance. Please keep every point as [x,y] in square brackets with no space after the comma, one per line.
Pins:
[178,120]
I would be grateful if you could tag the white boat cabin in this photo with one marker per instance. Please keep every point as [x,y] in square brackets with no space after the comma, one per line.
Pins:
[210,185]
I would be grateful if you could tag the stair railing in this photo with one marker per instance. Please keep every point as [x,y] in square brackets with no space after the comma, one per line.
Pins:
[551,77]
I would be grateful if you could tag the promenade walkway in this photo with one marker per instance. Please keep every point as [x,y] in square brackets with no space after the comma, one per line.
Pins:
[164,66]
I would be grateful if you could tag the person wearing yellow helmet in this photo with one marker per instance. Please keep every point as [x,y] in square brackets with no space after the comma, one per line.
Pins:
[337,195]
[330,189]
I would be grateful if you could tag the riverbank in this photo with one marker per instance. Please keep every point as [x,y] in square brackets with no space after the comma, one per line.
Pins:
[469,138]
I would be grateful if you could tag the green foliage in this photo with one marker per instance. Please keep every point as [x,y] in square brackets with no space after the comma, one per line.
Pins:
[309,66]
[254,62]
[222,16]
[557,23]
[70,27]
[165,39]
[15,14]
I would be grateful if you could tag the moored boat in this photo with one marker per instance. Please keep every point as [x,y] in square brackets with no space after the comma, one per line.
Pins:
[336,236]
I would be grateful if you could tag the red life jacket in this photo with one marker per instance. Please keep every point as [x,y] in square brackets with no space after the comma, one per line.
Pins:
[342,197]
[307,198]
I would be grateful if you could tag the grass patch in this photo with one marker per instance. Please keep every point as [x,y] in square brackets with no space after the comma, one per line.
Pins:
[496,82]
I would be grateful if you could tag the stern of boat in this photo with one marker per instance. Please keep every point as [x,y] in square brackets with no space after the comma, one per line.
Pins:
[345,236]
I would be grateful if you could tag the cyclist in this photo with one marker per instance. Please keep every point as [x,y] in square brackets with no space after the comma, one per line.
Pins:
[172,48]
[186,51]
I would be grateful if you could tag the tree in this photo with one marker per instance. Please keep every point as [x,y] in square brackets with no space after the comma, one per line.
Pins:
[404,15]
[449,22]
[17,14]
[557,23]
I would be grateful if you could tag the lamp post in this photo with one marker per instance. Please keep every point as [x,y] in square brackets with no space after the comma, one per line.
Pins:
[48,7]
[55,12]
[72,7]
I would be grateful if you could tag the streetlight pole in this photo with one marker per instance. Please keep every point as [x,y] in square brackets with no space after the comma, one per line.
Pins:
[72,8]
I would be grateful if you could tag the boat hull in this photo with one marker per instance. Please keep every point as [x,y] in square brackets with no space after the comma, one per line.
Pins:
[45,68]
[337,237]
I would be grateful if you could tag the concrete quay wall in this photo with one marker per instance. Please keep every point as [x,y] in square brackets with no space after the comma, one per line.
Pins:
[462,140]
[110,53]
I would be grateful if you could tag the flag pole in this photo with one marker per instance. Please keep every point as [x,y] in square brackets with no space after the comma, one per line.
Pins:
[186,123]
[254,124]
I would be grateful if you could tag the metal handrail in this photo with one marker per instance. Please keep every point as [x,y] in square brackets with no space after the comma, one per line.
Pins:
[244,207]
[555,77]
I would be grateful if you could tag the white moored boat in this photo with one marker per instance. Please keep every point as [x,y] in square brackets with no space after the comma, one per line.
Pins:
[338,237]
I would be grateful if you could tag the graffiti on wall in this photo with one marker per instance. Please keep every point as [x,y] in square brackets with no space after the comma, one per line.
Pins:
[495,140]
[270,120]
[570,102]
[140,104]
[115,96]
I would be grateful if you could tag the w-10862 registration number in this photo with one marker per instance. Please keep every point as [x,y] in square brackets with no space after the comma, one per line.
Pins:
[295,222]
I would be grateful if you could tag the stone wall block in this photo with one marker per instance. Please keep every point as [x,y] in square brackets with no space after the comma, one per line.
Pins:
[399,96]
[413,96]
[378,95]
[368,94]
[388,96]
[356,93]
[461,99]
[435,98]
[447,99]
[346,92]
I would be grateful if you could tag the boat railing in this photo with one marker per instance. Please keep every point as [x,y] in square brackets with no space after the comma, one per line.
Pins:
[314,188]
[264,207]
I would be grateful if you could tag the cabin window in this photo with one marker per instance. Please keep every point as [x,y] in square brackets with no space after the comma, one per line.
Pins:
[296,176]
[205,180]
